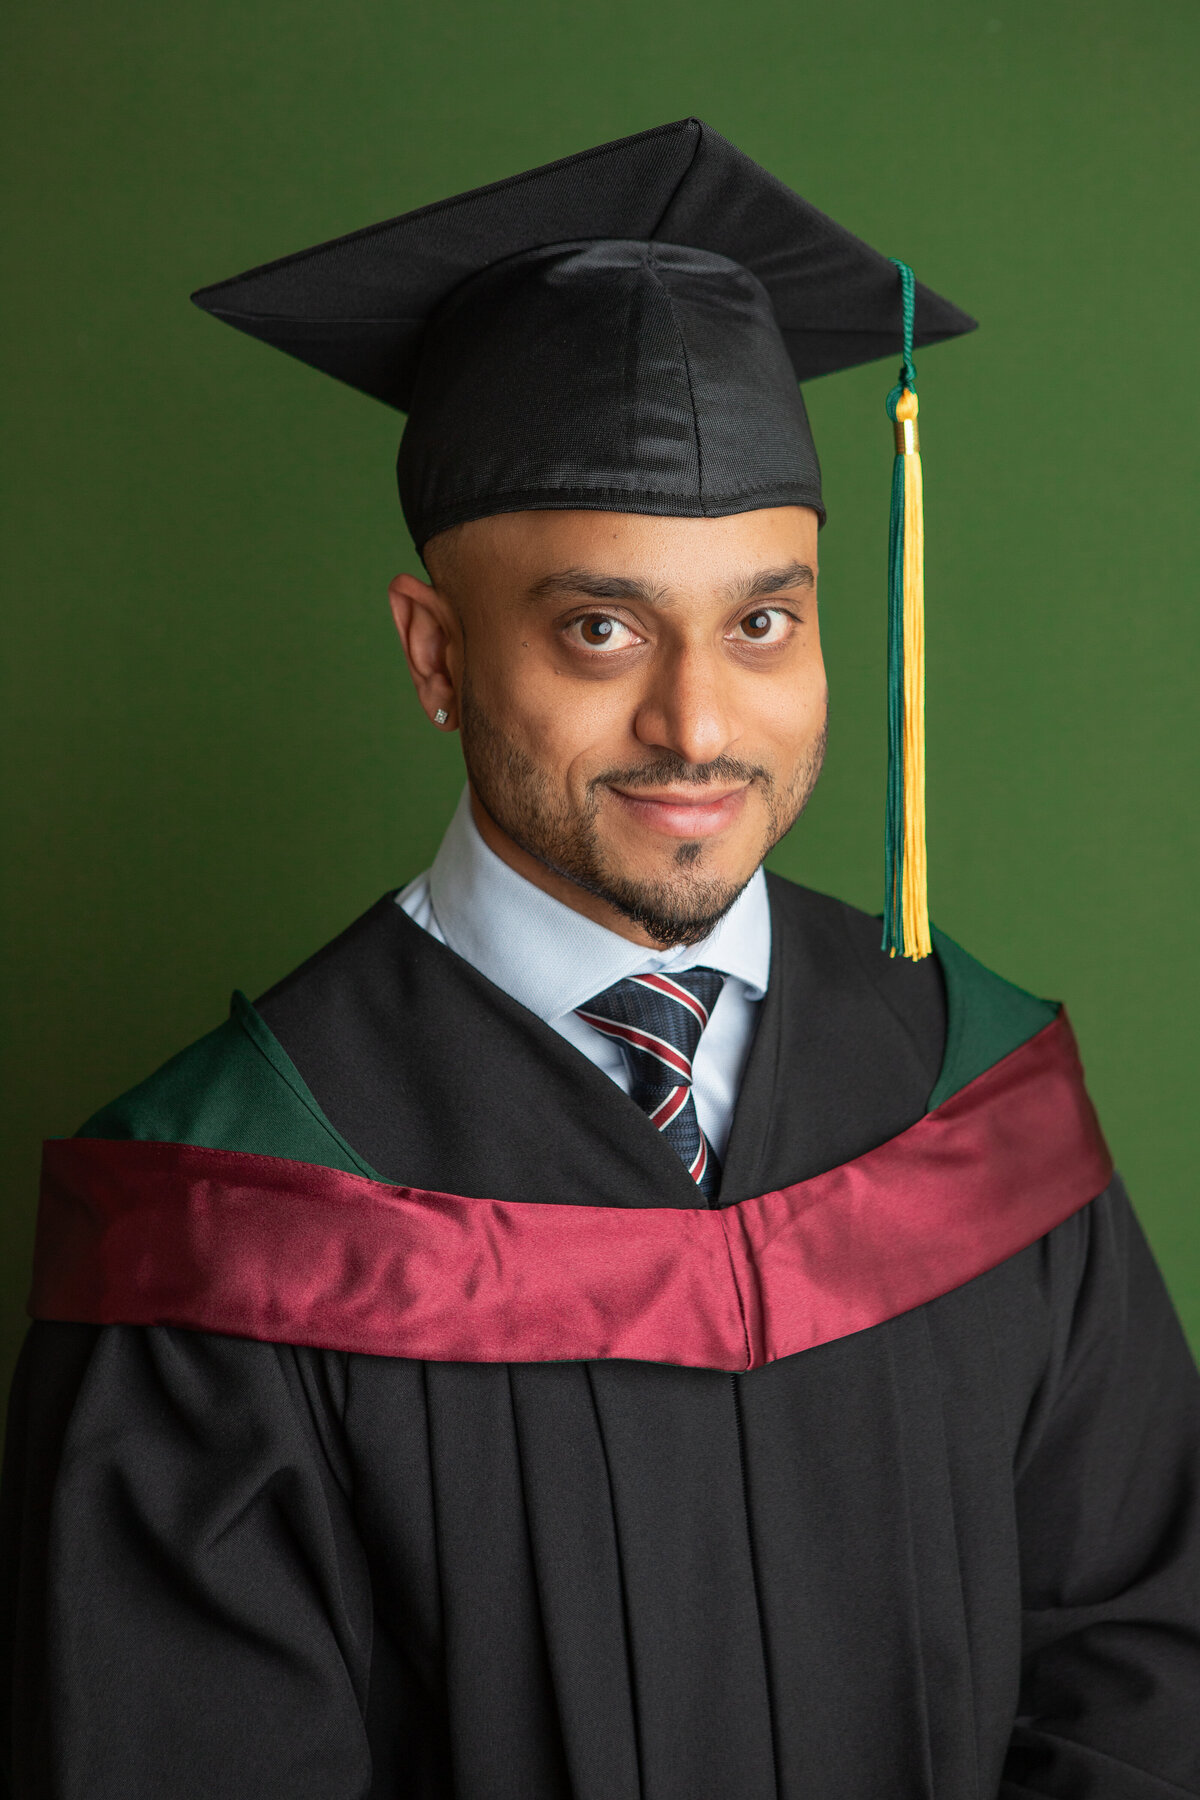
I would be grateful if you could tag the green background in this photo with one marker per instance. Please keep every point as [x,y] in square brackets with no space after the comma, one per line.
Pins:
[213,758]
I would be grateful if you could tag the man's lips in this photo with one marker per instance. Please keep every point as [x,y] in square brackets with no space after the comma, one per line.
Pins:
[686,813]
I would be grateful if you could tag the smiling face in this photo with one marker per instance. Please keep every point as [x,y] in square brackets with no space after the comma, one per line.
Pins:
[642,701]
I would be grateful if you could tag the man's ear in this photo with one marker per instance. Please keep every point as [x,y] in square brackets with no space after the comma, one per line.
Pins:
[430,633]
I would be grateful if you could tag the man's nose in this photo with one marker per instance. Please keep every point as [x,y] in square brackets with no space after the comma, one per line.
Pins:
[686,709]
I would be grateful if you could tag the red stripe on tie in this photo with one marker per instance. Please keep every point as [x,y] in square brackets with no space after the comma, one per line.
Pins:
[642,1040]
[662,984]
[701,1163]
[670,1108]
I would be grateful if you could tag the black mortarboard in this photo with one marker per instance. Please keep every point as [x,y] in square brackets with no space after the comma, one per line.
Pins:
[621,331]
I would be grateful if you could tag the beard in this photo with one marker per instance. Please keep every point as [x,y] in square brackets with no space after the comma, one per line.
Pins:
[681,908]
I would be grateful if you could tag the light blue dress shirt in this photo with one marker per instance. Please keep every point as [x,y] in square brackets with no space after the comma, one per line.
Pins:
[551,959]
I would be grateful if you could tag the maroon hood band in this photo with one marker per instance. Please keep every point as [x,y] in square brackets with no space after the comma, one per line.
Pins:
[255,1246]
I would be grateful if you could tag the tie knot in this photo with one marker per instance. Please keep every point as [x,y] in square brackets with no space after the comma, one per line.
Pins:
[657,1020]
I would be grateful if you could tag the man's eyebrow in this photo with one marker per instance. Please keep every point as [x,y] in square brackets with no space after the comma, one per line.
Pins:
[773,581]
[595,585]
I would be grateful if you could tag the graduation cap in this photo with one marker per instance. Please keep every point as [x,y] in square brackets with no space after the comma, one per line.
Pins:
[623,331]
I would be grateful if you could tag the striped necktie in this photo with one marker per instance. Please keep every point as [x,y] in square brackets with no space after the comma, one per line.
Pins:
[657,1020]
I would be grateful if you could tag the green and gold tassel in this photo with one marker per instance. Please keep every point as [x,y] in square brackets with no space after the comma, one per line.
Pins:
[906,902]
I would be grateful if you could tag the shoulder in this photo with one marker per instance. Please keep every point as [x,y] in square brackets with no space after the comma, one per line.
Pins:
[977,1016]
[235,1088]
[987,1016]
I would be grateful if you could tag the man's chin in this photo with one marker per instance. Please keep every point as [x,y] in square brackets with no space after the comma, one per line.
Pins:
[673,905]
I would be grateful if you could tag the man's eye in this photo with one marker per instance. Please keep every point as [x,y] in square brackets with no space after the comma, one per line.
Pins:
[767,626]
[600,631]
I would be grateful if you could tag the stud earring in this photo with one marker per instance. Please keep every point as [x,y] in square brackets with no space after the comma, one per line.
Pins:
[440,716]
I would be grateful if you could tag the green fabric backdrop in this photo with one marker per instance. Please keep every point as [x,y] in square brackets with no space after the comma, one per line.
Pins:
[213,757]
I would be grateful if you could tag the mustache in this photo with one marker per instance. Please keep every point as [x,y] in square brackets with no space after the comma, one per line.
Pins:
[671,770]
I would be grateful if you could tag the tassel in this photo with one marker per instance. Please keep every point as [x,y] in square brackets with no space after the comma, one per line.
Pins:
[906,902]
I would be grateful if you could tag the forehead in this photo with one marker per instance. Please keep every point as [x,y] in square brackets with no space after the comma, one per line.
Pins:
[520,550]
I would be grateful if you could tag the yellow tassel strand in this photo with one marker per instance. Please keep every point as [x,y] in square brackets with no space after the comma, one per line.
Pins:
[915,906]
[906,903]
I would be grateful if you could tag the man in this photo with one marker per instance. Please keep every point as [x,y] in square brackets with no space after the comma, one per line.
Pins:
[603,1327]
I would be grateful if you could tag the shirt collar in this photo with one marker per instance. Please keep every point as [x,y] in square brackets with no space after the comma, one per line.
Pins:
[550,957]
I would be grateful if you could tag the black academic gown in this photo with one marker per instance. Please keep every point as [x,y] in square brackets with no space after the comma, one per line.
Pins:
[956,1555]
